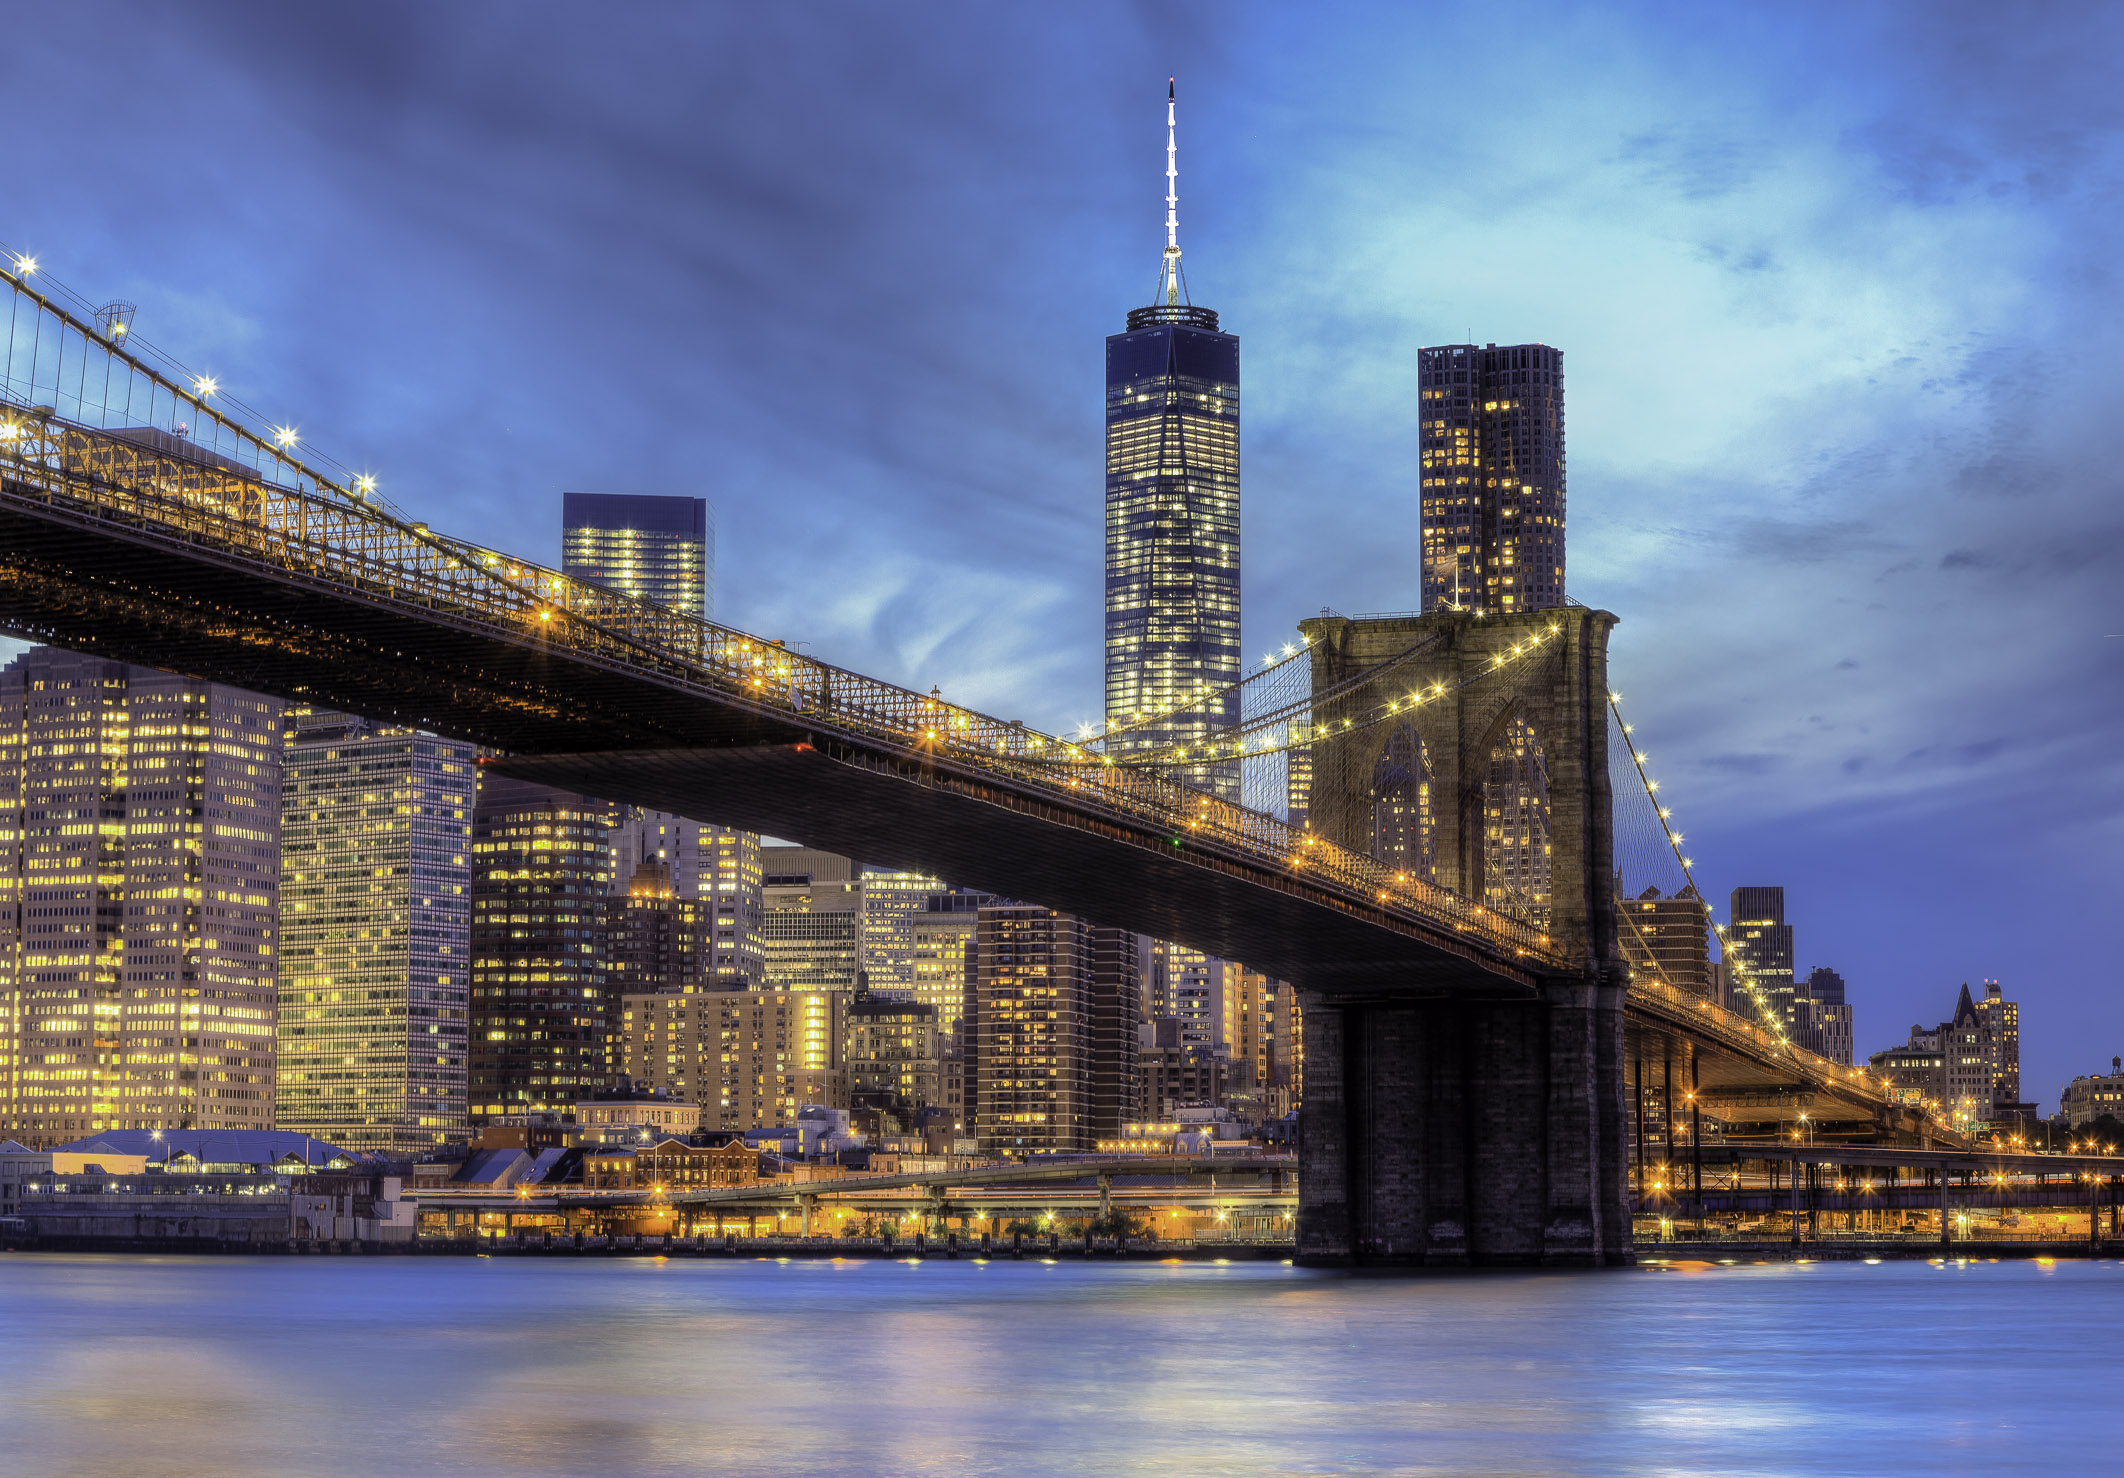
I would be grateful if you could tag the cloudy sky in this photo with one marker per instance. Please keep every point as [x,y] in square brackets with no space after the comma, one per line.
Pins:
[1837,288]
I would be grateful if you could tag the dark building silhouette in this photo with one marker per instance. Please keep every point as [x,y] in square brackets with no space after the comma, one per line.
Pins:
[1674,933]
[1116,1006]
[543,1007]
[1763,941]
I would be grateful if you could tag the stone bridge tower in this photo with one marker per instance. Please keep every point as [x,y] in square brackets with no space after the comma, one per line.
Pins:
[1482,1126]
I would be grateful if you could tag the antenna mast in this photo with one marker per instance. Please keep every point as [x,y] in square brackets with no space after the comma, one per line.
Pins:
[1170,286]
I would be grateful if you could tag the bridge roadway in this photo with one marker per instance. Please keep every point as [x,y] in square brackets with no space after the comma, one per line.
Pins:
[1721,1066]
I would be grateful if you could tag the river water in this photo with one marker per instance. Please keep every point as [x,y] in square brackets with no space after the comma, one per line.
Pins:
[406,1367]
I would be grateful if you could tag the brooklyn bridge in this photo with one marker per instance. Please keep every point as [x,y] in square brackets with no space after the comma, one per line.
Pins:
[1477,1077]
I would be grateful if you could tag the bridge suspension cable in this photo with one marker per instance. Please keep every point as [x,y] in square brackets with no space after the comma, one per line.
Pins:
[1294,722]
[1650,851]
[1639,782]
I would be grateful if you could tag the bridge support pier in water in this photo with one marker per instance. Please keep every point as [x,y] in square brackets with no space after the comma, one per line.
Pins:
[1466,1133]
[1460,1125]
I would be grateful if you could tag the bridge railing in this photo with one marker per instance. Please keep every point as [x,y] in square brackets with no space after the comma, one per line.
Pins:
[1736,1031]
[159,485]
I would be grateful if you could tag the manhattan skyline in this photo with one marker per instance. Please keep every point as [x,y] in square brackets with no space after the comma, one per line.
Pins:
[1850,512]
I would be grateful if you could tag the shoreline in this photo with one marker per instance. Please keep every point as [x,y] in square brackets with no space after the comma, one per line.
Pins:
[1654,1256]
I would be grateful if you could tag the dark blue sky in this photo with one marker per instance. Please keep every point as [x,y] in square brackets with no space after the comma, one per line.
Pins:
[1837,288]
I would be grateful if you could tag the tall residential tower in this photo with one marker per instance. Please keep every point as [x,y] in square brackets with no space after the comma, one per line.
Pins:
[1492,450]
[375,883]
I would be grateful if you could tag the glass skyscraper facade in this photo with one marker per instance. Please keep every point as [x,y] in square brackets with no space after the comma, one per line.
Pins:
[1492,451]
[543,1011]
[1763,941]
[376,841]
[651,547]
[139,899]
[1172,517]
[1172,534]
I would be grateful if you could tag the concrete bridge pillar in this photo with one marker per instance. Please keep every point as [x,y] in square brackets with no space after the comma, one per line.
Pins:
[1457,1133]
[1485,1128]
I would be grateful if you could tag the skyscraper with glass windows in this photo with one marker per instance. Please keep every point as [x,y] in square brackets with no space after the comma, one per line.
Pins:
[543,1012]
[375,907]
[714,866]
[1172,518]
[653,548]
[1491,445]
[139,896]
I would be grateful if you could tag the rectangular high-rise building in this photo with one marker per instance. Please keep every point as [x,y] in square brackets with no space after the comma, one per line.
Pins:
[892,903]
[1823,1015]
[1763,941]
[1053,999]
[652,548]
[892,1056]
[945,956]
[1669,937]
[1172,532]
[543,1011]
[1491,444]
[1198,992]
[657,940]
[812,930]
[375,907]
[749,1059]
[139,893]
[1116,1013]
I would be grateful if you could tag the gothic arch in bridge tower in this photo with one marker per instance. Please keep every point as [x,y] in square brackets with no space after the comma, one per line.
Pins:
[1402,799]
[1514,818]
[1528,734]
[1439,1131]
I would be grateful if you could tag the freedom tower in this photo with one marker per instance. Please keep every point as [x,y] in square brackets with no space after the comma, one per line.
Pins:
[1172,516]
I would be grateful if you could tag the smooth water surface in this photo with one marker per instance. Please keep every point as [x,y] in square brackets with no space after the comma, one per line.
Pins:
[404,1367]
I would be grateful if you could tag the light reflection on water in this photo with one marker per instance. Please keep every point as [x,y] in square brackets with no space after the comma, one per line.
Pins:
[407,1367]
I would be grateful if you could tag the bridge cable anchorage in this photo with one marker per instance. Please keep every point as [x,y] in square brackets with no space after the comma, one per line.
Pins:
[94,435]
[1768,1029]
